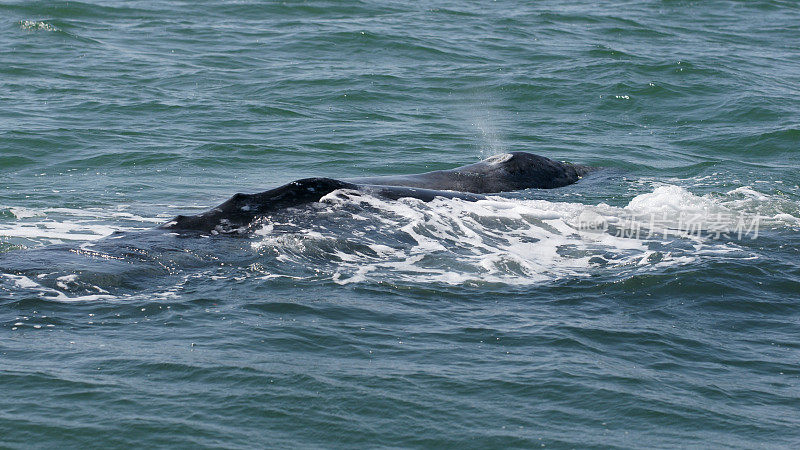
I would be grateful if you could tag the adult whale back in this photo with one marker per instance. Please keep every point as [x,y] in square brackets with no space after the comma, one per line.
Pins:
[501,173]
[512,171]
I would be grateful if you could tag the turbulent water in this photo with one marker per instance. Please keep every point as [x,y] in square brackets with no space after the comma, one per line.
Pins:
[655,303]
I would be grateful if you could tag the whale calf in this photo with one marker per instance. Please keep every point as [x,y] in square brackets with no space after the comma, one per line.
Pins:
[501,173]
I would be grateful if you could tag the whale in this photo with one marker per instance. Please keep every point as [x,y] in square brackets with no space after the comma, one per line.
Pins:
[512,171]
[506,172]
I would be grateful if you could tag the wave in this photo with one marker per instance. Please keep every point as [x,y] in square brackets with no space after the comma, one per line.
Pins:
[513,241]
[350,237]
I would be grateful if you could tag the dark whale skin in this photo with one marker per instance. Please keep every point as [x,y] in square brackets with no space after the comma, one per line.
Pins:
[502,173]
[241,209]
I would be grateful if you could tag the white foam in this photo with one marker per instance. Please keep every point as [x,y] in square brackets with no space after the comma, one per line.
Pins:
[23,282]
[138,218]
[748,191]
[37,25]
[62,281]
[502,240]
[55,225]
[23,213]
[57,231]
[354,237]
[672,200]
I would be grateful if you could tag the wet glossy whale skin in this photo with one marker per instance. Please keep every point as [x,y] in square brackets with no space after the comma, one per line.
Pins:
[501,173]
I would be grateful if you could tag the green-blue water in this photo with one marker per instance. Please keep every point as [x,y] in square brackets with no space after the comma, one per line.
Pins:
[533,319]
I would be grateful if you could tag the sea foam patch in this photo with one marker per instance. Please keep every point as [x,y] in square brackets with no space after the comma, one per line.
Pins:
[37,25]
[351,237]
[511,241]
[41,226]
[20,284]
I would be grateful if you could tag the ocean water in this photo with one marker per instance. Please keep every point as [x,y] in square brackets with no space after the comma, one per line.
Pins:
[655,303]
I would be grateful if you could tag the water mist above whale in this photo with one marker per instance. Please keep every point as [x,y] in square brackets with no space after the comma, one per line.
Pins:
[501,173]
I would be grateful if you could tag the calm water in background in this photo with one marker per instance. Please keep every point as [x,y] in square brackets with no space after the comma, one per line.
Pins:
[363,322]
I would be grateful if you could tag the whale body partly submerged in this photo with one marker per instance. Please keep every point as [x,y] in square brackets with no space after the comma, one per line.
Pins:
[501,173]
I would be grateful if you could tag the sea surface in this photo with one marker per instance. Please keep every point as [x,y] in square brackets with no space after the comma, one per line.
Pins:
[654,304]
